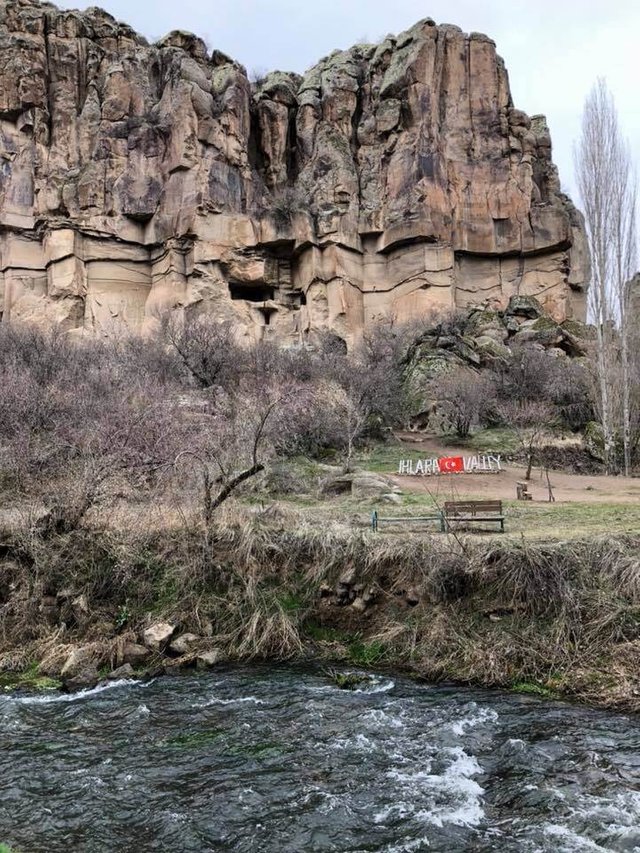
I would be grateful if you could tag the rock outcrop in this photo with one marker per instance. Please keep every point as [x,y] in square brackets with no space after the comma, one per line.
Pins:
[137,179]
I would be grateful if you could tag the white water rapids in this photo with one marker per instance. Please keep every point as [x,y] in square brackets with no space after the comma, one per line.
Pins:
[279,759]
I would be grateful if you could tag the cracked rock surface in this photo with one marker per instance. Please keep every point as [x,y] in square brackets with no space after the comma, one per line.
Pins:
[390,179]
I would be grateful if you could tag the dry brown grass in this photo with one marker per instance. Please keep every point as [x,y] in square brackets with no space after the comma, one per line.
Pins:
[564,616]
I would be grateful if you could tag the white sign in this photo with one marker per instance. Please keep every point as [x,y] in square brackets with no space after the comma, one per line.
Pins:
[482,464]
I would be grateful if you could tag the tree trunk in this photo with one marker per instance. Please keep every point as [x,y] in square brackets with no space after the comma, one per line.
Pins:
[224,493]
[605,401]
[626,398]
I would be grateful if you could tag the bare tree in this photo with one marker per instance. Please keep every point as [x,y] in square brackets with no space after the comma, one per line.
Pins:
[230,440]
[606,182]
[531,423]
[353,418]
[624,246]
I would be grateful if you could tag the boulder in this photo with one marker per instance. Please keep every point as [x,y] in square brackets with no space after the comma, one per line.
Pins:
[210,658]
[135,654]
[487,323]
[369,596]
[340,485]
[184,644]
[367,485]
[173,666]
[489,349]
[157,636]
[79,659]
[524,306]
[360,484]
[82,680]
[124,671]
[593,440]
[581,331]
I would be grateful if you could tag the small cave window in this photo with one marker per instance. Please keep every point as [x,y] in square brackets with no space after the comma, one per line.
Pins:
[256,292]
[267,313]
[296,298]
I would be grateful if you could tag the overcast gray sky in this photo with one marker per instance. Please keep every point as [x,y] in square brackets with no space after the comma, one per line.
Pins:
[554,49]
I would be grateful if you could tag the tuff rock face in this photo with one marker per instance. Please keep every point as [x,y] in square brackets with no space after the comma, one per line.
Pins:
[391,179]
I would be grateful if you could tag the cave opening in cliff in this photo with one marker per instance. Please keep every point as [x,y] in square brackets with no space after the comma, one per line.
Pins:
[254,292]
[267,312]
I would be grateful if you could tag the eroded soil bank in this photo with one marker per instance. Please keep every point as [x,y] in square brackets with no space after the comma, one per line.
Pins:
[557,619]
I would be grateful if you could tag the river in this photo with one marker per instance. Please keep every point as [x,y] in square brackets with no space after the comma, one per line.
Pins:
[278,759]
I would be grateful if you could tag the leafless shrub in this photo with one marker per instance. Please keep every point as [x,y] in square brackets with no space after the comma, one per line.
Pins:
[257,77]
[571,391]
[286,203]
[207,348]
[463,395]
[152,358]
[527,375]
[74,425]
[231,437]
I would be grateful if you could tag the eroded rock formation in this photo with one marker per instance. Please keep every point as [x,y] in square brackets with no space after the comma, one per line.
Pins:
[390,179]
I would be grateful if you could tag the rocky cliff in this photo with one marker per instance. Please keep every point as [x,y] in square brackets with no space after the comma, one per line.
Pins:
[139,178]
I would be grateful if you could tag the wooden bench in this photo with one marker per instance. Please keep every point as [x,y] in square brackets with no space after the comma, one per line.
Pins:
[466,512]
[376,520]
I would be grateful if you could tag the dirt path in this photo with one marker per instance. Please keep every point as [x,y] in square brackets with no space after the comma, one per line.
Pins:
[566,487]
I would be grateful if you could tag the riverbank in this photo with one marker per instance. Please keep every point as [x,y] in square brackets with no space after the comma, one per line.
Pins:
[552,618]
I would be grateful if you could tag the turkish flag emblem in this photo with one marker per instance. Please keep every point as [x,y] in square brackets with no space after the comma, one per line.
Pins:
[450,464]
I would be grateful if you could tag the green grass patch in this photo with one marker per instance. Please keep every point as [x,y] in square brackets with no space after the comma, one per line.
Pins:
[348,680]
[384,458]
[326,634]
[168,595]
[494,440]
[29,679]
[570,520]
[367,654]
[290,602]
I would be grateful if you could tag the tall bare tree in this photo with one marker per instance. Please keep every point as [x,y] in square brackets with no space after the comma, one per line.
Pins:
[607,186]
[624,246]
